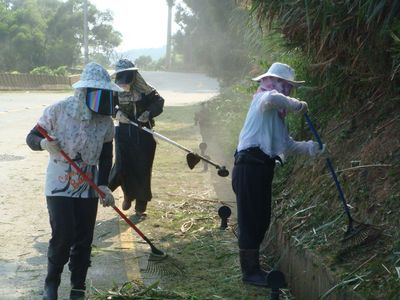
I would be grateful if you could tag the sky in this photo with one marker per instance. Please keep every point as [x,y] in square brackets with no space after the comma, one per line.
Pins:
[142,23]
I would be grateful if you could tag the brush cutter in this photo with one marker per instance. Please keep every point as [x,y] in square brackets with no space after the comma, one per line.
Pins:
[154,250]
[357,233]
[192,158]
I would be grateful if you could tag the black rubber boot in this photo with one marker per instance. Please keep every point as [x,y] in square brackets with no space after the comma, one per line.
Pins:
[77,295]
[78,278]
[250,265]
[52,281]
[140,207]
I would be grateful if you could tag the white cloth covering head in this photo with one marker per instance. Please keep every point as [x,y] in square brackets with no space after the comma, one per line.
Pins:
[138,86]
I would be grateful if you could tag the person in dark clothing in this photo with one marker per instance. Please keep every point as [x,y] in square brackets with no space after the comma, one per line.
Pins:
[135,149]
[82,127]
[263,140]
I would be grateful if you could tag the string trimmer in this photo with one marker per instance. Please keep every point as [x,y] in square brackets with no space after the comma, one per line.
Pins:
[154,250]
[357,233]
[192,158]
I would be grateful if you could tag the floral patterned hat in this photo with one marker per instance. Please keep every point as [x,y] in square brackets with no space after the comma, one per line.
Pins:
[95,76]
[124,65]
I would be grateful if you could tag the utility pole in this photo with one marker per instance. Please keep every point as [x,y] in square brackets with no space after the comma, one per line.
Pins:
[85,31]
[168,52]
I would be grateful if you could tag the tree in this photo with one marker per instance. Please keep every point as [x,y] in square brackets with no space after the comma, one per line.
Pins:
[169,37]
[50,32]
[24,36]
[143,61]
[208,41]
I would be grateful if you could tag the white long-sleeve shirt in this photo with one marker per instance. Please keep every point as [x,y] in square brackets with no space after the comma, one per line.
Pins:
[265,128]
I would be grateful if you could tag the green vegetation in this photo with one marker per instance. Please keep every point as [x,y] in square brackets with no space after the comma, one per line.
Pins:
[60,71]
[202,261]
[36,33]
[348,53]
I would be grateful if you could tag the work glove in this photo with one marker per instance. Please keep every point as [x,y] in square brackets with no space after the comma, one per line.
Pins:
[53,147]
[108,199]
[323,153]
[144,117]
[121,117]
[303,107]
[279,162]
[319,152]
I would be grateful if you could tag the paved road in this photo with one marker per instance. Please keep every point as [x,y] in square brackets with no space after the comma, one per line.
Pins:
[176,88]
[24,228]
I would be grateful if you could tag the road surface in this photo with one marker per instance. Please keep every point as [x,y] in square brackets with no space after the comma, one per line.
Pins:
[24,228]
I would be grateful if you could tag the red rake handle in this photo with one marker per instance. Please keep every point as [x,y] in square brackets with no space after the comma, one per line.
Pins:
[94,186]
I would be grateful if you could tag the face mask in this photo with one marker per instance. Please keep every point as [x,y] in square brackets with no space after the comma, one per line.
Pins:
[284,87]
[100,101]
[124,77]
[271,83]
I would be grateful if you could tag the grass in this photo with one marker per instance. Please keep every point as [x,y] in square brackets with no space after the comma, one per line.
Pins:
[184,213]
[202,260]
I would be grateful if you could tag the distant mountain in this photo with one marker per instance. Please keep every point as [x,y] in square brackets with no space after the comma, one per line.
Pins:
[154,53]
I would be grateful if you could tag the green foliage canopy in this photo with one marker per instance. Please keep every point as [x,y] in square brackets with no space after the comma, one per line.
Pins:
[49,33]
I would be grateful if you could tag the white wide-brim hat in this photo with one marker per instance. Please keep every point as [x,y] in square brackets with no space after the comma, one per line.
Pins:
[282,71]
[95,76]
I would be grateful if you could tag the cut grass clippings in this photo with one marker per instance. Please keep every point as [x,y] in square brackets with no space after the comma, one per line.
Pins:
[202,260]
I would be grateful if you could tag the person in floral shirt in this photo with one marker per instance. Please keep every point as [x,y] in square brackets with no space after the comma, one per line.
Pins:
[82,127]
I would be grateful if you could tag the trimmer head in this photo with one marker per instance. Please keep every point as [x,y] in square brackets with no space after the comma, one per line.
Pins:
[223,172]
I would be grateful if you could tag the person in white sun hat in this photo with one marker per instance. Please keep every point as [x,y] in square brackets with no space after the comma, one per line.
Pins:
[263,139]
[82,127]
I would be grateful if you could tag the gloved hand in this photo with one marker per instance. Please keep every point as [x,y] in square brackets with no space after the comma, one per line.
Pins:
[144,117]
[280,160]
[318,152]
[322,152]
[108,199]
[53,147]
[303,107]
[121,117]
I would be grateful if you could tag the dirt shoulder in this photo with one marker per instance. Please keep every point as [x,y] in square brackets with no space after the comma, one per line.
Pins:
[182,221]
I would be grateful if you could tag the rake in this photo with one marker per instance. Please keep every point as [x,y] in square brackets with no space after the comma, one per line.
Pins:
[357,233]
[154,250]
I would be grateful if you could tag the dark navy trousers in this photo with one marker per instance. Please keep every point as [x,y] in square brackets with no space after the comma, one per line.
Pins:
[252,183]
[72,222]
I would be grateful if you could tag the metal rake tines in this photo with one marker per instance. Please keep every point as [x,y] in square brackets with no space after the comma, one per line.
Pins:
[164,266]
[361,234]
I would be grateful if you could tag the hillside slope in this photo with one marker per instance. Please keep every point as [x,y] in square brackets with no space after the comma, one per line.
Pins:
[364,146]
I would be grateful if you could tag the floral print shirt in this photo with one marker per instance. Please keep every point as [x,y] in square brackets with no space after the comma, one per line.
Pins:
[81,135]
